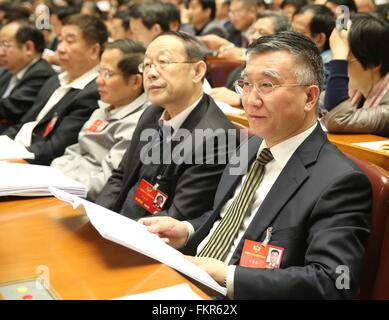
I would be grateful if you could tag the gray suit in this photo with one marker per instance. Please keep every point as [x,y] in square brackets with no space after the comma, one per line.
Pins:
[96,154]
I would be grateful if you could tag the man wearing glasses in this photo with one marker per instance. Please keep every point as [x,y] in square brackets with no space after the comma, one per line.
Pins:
[299,194]
[21,46]
[165,155]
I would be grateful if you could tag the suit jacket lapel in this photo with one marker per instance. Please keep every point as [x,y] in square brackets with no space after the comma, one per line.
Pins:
[4,82]
[288,182]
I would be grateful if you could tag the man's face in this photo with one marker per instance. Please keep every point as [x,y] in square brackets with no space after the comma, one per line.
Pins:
[198,17]
[283,113]
[301,23]
[171,85]
[140,31]
[74,52]
[114,89]
[241,16]
[274,257]
[12,54]
[261,27]
[117,30]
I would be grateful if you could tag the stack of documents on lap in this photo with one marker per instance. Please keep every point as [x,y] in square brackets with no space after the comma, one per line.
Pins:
[133,235]
[17,179]
[12,150]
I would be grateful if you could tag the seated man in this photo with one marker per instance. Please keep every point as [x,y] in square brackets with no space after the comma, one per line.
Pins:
[186,176]
[67,100]
[107,134]
[21,47]
[301,195]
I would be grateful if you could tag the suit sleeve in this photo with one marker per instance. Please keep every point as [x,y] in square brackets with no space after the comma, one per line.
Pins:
[22,98]
[336,231]
[65,132]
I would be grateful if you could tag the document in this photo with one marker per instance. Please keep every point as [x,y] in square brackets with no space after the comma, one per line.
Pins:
[133,235]
[178,292]
[382,146]
[18,179]
[12,150]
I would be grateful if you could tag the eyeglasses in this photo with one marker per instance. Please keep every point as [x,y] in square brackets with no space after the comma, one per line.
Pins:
[5,45]
[160,64]
[266,88]
[107,74]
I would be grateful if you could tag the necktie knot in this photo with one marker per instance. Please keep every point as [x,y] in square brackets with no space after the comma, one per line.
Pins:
[265,156]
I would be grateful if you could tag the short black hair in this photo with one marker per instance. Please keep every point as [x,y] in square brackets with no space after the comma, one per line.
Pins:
[309,67]
[369,41]
[193,48]
[274,250]
[151,13]
[28,32]
[93,29]
[280,21]
[133,55]
[296,3]
[125,17]
[173,13]
[323,21]
[63,12]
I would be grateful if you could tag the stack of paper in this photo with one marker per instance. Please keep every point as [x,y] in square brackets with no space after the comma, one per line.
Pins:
[134,235]
[382,146]
[12,150]
[18,179]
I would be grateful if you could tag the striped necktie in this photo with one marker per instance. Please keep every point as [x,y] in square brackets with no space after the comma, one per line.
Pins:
[221,240]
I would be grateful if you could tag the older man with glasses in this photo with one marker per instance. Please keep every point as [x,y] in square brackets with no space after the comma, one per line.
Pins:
[299,195]
[173,70]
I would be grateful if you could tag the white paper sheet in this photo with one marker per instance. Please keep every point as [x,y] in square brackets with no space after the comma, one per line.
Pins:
[17,179]
[12,150]
[178,292]
[382,146]
[135,236]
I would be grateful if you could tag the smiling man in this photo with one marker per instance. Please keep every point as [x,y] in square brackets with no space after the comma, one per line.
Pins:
[67,100]
[300,196]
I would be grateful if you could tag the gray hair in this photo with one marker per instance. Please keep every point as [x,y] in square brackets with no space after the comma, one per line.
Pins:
[308,68]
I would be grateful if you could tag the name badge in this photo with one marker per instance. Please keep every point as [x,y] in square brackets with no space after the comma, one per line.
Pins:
[50,126]
[258,255]
[97,126]
[149,197]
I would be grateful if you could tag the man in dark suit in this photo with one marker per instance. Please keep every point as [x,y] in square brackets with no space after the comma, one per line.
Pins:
[300,194]
[173,71]
[21,46]
[65,101]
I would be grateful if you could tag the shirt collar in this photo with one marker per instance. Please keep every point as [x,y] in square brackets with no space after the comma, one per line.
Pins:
[177,121]
[283,151]
[19,75]
[79,83]
[121,112]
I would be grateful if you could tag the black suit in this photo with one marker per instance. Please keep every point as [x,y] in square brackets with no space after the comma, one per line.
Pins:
[22,97]
[319,209]
[190,187]
[68,116]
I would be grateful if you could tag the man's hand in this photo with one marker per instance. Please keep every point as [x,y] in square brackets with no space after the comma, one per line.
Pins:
[231,52]
[172,231]
[214,42]
[225,95]
[216,268]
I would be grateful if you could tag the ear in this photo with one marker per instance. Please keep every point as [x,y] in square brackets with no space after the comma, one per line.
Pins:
[156,29]
[320,40]
[95,51]
[312,97]
[136,81]
[29,47]
[200,68]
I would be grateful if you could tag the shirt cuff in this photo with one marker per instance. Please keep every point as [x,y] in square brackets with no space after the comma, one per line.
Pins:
[191,230]
[230,281]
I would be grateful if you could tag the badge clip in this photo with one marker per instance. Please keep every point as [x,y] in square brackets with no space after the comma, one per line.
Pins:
[268,236]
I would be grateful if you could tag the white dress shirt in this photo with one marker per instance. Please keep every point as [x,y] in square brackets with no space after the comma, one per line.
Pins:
[25,133]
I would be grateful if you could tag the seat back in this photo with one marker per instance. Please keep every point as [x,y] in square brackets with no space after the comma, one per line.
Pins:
[220,69]
[379,179]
